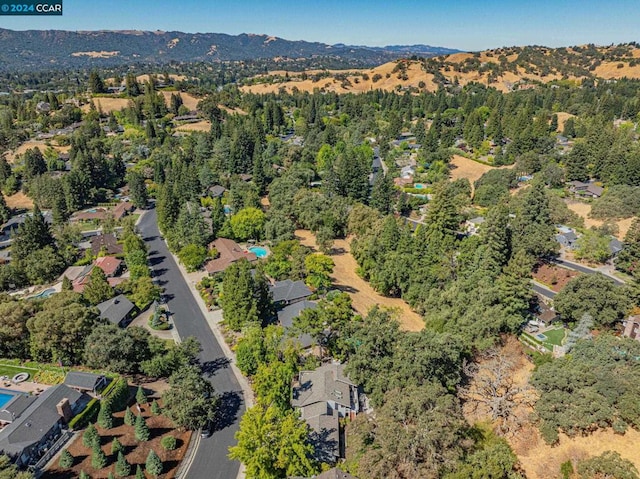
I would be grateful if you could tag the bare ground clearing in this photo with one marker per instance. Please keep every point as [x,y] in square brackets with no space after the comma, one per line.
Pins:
[362,294]
[584,209]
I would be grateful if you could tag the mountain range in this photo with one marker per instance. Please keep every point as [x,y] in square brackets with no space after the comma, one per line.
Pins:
[42,49]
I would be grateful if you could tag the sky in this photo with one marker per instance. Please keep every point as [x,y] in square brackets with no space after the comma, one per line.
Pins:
[463,24]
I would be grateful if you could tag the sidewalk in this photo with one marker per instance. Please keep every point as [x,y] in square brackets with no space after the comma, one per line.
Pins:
[213,320]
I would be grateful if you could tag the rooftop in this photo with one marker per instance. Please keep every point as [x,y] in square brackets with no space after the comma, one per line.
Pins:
[229,252]
[115,310]
[289,290]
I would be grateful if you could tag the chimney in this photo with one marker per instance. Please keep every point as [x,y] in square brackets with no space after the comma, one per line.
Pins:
[64,409]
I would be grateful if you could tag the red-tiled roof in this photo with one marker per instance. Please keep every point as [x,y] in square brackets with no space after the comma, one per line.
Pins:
[108,264]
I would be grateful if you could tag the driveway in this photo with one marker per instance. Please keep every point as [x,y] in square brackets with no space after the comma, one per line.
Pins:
[211,459]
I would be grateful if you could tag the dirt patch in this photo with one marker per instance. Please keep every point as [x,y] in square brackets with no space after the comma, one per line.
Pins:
[553,276]
[362,294]
[562,118]
[19,201]
[188,100]
[462,167]
[584,210]
[101,54]
[136,453]
[107,105]
[204,125]
[11,156]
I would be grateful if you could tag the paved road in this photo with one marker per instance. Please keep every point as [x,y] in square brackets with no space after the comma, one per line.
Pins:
[540,289]
[585,269]
[210,460]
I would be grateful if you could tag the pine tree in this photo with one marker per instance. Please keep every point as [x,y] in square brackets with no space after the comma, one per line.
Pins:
[5,213]
[153,464]
[105,416]
[89,436]
[98,457]
[67,285]
[141,397]
[98,288]
[142,432]
[123,468]
[116,446]
[129,417]
[139,472]
[96,85]
[382,193]
[137,189]
[84,475]
[66,459]
[155,408]
[111,476]
[32,235]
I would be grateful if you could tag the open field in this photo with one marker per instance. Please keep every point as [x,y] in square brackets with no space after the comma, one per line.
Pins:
[188,100]
[461,167]
[583,209]
[12,155]
[362,294]
[562,118]
[19,201]
[107,105]
[204,125]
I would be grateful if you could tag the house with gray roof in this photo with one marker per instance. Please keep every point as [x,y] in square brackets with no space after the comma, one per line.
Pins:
[36,422]
[615,246]
[323,396]
[286,316]
[289,291]
[216,191]
[567,239]
[117,310]
[85,382]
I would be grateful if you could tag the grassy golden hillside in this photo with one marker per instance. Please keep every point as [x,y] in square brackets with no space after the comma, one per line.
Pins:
[506,69]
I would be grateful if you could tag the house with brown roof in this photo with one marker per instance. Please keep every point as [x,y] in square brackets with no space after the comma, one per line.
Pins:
[632,327]
[107,243]
[110,265]
[123,209]
[93,214]
[228,253]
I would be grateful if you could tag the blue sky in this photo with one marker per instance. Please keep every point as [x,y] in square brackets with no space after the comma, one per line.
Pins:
[463,24]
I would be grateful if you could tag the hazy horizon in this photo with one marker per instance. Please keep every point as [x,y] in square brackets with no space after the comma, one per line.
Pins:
[465,25]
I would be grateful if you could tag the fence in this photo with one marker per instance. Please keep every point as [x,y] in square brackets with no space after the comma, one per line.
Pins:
[53,450]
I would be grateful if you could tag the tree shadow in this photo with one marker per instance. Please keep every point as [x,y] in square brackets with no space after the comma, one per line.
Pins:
[229,404]
[211,367]
[156,260]
[346,289]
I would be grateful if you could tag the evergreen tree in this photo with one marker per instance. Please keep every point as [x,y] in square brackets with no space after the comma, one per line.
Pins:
[155,408]
[67,285]
[97,289]
[105,416]
[129,417]
[32,235]
[532,228]
[98,457]
[66,459]
[153,465]
[142,432]
[5,213]
[84,475]
[116,446]
[382,193]
[139,472]
[141,397]
[137,189]
[90,435]
[238,301]
[123,468]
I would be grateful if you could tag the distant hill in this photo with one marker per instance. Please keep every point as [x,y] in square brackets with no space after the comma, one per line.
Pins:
[506,69]
[40,49]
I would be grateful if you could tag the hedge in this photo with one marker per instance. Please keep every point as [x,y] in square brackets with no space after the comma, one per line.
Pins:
[117,391]
[87,416]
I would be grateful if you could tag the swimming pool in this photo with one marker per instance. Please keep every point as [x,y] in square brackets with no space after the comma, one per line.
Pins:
[5,398]
[259,251]
[419,186]
[227,209]
[43,294]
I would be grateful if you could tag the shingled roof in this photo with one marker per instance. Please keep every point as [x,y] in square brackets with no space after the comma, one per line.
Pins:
[289,291]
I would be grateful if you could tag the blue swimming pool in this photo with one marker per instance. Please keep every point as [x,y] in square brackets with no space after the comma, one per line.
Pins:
[259,251]
[43,294]
[5,398]
[419,186]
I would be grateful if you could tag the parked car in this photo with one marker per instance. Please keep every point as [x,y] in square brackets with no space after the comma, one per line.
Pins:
[206,430]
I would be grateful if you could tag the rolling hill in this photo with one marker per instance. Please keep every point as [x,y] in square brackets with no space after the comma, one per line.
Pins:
[41,49]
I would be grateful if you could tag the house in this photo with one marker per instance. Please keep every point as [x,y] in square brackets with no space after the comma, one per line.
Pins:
[543,313]
[407,172]
[216,191]
[107,243]
[245,177]
[228,252]
[85,382]
[323,396]
[37,422]
[15,221]
[615,246]
[473,225]
[567,239]
[117,310]
[632,327]
[287,314]
[110,265]
[123,209]
[289,291]
[587,190]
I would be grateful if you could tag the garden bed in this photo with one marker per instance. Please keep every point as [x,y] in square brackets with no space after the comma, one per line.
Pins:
[553,276]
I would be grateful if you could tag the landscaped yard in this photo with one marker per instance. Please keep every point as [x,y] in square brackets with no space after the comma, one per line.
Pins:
[555,277]
[553,337]
[10,370]
[45,375]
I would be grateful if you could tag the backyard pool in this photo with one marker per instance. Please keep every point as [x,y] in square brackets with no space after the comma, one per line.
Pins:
[419,186]
[227,209]
[259,251]
[5,398]
[541,337]
[43,294]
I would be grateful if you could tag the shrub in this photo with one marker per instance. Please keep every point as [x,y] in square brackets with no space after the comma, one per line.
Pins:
[141,397]
[87,416]
[129,417]
[66,459]
[168,443]
[155,408]
[142,432]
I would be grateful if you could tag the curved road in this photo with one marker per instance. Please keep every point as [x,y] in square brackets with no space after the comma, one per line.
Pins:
[210,459]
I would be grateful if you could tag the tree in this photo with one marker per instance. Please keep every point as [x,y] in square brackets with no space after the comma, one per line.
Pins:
[116,446]
[593,245]
[141,397]
[90,436]
[609,464]
[139,472]
[189,228]
[84,475]
[119,350]
[129,417]
[273,444]
[272,384]
[594,294]
[153,465]
[237,300]
[155,408]
[5,213]
[192,257]
[137,189]
[98,457]
[59,331]
[66,460]
[190,400]
[168,443]
[319,268]
[628,259]
[141,430]
[532,228]
[247,224]
[8,470]
[123,468]
[43,265]
[105,415]
[97,289]
[67,285]
[14,335]
[144,291]
[31,235]
[96,85]
[382,194]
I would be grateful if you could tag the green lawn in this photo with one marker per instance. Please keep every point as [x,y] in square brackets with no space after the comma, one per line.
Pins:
[554,337]
[10,370]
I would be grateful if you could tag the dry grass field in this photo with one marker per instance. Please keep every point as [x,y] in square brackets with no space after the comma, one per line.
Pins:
[461,167]
[107,105]
[19,201]
[583,210]
[562,118]
[12,155]
[204,125]
[362,294]
[188,100]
